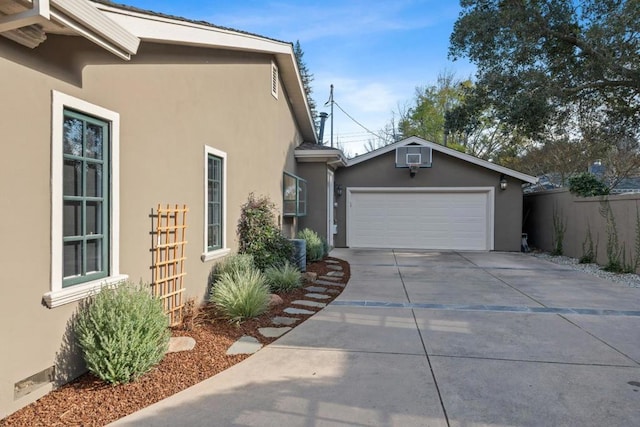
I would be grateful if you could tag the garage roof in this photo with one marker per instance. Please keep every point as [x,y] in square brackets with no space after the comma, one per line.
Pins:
[414,140]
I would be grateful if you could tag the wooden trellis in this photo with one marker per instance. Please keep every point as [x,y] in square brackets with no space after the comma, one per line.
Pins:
[168,259]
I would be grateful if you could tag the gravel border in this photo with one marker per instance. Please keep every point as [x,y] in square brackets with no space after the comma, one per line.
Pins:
[631,280]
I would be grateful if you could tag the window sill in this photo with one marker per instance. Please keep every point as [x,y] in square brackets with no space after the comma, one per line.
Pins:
[63,296]
[219,253]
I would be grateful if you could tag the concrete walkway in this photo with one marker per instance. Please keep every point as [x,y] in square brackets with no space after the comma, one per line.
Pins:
[422,338]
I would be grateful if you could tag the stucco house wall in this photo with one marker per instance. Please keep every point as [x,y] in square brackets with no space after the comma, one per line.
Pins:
[316,176]
[172,101]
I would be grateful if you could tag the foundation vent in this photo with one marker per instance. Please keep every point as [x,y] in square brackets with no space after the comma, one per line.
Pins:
[34,382]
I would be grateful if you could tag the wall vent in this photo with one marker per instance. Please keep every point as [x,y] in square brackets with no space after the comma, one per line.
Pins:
[274,80]
[34,382]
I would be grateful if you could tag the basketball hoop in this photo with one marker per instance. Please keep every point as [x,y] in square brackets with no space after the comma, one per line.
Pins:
[413,168]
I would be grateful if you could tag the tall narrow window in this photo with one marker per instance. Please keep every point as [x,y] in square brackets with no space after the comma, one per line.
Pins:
[85,198]
[214,202]
[294,195]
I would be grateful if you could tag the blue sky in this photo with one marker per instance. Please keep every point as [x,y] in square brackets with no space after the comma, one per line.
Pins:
[375,53]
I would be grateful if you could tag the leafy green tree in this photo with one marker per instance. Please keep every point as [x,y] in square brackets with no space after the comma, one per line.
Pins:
[449,113]
[426,118]
[536,59]
[307,78]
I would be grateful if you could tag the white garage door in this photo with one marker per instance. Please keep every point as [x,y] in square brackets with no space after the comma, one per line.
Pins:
[460,219]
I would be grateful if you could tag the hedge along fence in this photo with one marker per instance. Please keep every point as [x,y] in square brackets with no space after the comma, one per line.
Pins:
[578,215]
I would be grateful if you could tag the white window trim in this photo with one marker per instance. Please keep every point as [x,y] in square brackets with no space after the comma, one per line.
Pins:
[218,253]
[58,295]
[274,80]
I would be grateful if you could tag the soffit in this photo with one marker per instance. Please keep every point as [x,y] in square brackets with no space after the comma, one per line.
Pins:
[28,22]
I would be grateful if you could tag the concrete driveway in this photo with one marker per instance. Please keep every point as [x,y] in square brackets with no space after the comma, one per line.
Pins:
[424,338]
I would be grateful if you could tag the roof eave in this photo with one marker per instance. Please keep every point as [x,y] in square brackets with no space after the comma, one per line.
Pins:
[29,26]
[162,29]
[446,150]
[333,157]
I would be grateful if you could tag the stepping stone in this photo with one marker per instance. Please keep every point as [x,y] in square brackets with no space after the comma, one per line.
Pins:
[309,303]
[282,320]
[273,332]
[335,273]
[177,344]
[326,283]
[317,296]
[316,289]
[333,291]
[336,279]
[332,261]
[245,345]
[334,267]
[291,310]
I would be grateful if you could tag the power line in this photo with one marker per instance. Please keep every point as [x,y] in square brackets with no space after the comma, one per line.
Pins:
[357,122]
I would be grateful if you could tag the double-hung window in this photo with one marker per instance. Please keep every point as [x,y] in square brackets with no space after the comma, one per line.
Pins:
[84,199]
[215,204]
[294,190]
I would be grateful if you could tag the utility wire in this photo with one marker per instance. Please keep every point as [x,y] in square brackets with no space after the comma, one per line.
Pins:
[357,122]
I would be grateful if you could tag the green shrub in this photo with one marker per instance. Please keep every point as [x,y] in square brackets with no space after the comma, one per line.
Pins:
[230,264]
[241,295]
[586,185]
[123,332]
[315,246]
[260,236]
[283,278]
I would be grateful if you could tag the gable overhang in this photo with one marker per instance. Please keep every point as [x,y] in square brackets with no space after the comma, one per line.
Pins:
[162,29]
[332,157]
[414,140]
[28,22]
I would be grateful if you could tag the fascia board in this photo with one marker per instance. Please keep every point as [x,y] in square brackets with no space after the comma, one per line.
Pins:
[85,18]
[330,156]
[166,30]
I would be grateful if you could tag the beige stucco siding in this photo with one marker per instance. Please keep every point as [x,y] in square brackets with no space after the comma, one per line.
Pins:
[447,171]
[316,176]
[172,101]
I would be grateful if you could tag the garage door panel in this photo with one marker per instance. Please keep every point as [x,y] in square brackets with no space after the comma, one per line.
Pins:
[420,220]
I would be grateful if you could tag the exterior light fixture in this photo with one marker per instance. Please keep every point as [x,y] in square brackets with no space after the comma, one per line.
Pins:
[338,190]
[503,182]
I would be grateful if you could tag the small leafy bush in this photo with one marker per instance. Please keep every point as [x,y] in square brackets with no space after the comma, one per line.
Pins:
[260,236]
[283,278]
[230,264]
[240,295]
[315,246]
[123,332]
[587,185]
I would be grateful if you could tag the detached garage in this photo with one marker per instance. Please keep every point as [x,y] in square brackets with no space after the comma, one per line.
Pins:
[416,194]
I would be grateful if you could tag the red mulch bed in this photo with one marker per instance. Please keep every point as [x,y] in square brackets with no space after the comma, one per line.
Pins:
[88,401]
